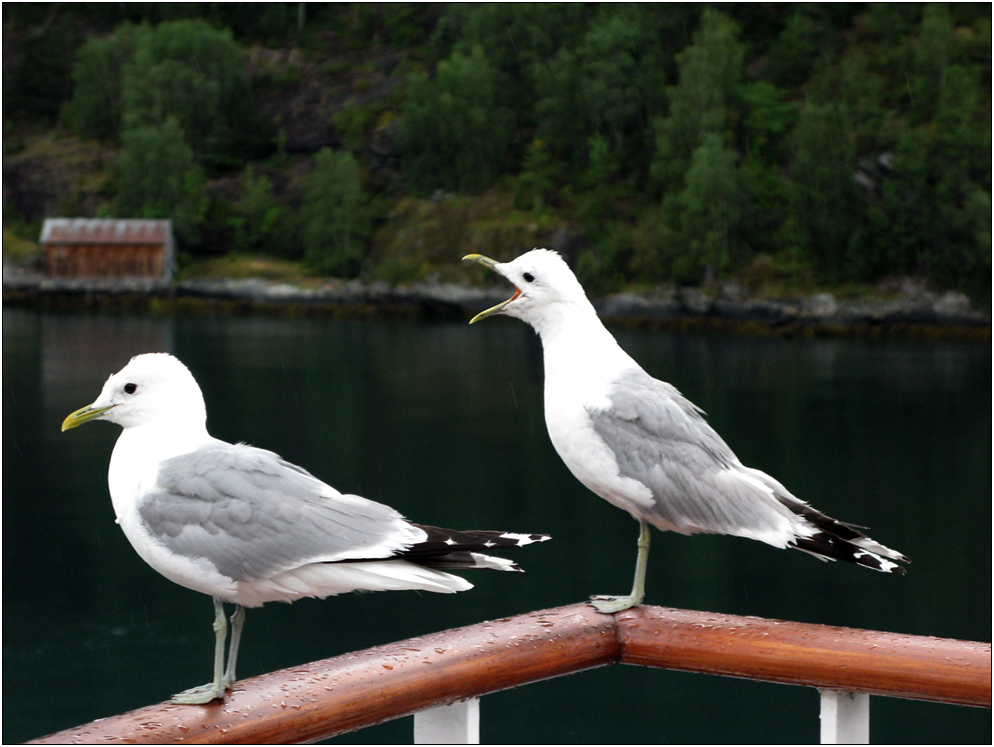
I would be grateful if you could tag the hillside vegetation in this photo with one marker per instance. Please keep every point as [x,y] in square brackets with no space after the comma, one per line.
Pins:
[807,145]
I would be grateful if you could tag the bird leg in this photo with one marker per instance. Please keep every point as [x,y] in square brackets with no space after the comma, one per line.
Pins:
[610,605]
[213,690]
[237,623]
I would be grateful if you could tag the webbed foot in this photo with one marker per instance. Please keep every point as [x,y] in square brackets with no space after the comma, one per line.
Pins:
[609,605]
[202,694]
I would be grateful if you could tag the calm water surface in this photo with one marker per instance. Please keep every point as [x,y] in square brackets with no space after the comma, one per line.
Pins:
[444,422]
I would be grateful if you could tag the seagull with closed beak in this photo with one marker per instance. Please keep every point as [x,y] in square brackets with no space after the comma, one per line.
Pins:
[246,527]
[642,446]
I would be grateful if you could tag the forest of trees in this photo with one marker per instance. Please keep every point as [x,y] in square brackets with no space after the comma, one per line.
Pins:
[674,143]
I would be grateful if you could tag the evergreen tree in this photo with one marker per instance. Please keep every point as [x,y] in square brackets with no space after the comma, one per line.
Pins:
[711,71]
[932,217]
[260,223]
[141,76]
[530,35]
[97,108]
[455,134]
[190,71]
[824,204]
[335,221]
[709,208]
[694,164]
[596,99]
[158,177]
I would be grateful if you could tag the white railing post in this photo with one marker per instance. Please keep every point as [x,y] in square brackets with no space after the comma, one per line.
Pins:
[845,717]
[458,723]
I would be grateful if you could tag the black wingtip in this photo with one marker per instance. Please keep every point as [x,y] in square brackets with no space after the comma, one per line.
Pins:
[830,547]
[838,540]
[448,548]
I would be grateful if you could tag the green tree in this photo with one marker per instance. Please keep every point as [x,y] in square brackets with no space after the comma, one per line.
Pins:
[597,98]
[195,73]
[711,70]
[823,197]
[535,182]
[96,108]
[694,165]
[804,41]
[140,76]
[709,208]
[931,60]
[259,221]
[158,177]
[768,117]
[335,219]
[529,35]
[455,134]
[931,217]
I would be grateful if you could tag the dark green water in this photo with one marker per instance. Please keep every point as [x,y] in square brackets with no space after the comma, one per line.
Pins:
[444,422]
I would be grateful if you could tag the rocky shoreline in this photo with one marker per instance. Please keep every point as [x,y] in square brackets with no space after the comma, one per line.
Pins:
[910,309]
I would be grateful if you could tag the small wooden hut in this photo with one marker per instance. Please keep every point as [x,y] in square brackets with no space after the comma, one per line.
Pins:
[108,248]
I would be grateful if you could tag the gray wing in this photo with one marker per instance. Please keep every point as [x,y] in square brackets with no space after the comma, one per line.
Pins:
[253,515]
[662,440]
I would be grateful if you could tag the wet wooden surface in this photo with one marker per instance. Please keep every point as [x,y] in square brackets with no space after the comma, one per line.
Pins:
[329,697]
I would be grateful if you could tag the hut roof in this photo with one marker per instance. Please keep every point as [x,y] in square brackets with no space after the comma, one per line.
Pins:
[105,231]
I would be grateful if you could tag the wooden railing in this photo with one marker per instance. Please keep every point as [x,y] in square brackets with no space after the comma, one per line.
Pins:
[325,698]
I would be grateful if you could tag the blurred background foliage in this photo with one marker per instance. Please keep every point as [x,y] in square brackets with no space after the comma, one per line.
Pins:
[818,145]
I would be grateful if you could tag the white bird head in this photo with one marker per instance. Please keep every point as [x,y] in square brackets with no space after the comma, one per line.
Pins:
[152,388]
[545,288]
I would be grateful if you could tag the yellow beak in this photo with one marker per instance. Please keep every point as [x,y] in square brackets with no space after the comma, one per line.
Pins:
[482,260]
[492,264]
[83,415]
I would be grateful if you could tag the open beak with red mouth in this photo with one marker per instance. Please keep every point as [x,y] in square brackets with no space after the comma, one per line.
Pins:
[487,262]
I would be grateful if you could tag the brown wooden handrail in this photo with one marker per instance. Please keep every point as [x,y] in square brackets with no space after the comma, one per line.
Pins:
[329,697]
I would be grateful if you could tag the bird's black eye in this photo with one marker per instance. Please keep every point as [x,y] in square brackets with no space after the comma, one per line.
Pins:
[130,388]
[529,278]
